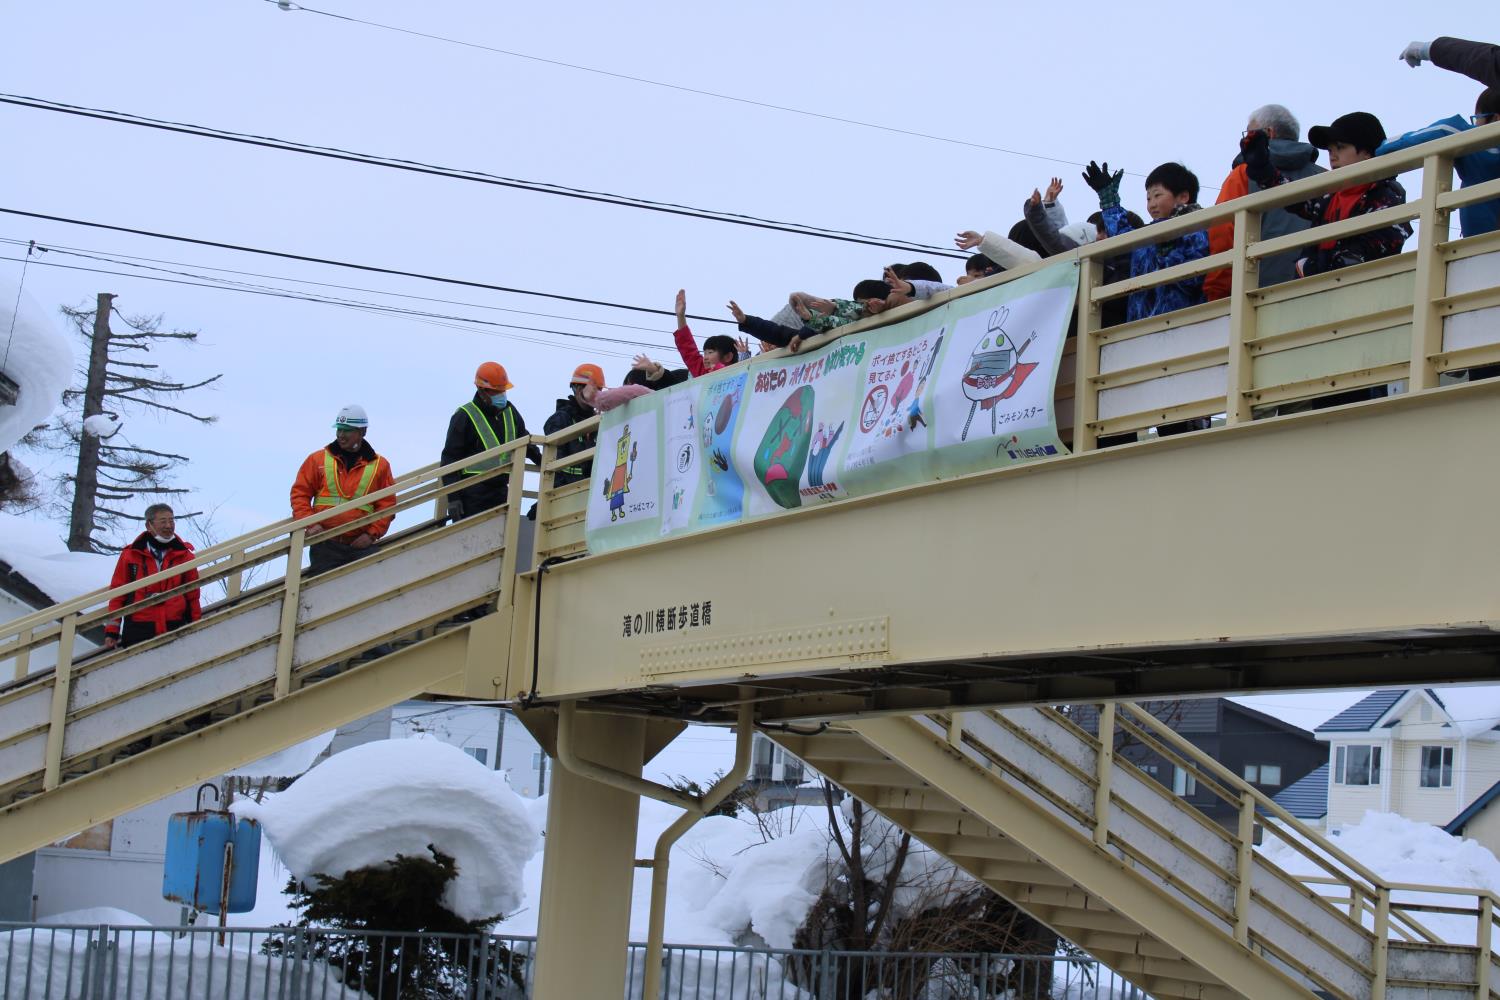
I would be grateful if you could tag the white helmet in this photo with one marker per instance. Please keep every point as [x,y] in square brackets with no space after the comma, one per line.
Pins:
[351,415]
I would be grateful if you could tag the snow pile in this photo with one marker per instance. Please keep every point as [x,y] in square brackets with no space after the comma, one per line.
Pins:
[1401,850]
[36,356]
[101,425]
[55,964]
[288,763]
[35,550]
[362,807]
[94,916]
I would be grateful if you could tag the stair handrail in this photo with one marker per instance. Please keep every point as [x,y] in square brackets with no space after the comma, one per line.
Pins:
[1306,837]
[272,532]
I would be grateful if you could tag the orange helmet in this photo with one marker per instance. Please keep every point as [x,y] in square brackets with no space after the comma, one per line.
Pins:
[588,375]
[491,376]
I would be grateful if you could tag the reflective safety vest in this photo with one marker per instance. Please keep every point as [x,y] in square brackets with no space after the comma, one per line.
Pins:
[487,436]
[331,495]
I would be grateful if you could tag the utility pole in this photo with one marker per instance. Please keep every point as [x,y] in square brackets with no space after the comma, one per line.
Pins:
[86,484]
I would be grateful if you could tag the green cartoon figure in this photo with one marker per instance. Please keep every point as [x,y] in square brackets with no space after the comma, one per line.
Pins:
[619,480]
[783,451]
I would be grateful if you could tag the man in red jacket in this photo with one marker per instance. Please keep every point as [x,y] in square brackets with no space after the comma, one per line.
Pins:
[157,548]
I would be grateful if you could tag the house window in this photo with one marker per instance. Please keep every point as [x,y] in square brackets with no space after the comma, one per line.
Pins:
[1263,774]
[1356,765]
[1437,767]
[481,754]
[1183,784]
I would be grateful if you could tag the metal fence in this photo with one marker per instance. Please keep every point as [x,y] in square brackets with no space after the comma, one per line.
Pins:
[104,962]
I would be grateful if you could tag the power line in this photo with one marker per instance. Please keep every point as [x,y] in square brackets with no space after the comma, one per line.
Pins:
[477,176]
[685,89]
[56,248]
[432,319]
[373,269]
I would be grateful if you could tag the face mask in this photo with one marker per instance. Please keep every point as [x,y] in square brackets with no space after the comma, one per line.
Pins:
[497,399]
[163,540]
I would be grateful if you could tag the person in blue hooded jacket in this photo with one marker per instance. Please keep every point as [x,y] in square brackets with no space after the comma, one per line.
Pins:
[1473,168]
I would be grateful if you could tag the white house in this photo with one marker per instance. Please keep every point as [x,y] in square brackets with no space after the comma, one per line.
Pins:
[1424,753]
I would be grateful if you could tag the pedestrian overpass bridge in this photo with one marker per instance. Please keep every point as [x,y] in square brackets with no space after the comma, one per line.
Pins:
[914,645]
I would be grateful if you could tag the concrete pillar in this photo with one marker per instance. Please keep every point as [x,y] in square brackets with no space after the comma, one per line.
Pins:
[583,928]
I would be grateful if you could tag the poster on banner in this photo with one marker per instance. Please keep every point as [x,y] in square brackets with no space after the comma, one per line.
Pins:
[722,498]
[684,457]
[965,387]
[624,501]
[992,403]
[797,416]
[896,397]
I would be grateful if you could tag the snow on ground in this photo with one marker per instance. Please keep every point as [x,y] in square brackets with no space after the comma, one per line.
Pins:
[55,964]
[95,915]
[36,356]
[1401,850]
[35,549]
[364,806]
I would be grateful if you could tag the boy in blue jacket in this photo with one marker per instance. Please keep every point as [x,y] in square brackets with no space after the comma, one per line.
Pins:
[1171,190]
[1473,168]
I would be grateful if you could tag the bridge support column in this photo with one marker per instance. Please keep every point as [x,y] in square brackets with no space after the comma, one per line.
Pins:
[584,922]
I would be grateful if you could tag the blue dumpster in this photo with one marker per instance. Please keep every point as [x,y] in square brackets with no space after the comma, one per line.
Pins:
[199,844]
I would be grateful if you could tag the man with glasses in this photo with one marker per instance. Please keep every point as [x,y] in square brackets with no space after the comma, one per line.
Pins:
[1295,159]
[1474,167]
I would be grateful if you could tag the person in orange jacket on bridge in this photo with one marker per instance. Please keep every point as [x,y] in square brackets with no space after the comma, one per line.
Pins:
[346,469]
[157,548]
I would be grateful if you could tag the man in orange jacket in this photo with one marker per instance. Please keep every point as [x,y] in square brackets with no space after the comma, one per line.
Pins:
[157,548]
[346,469]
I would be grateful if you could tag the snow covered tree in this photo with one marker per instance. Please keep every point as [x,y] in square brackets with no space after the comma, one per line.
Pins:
[888,893]
[419,950]
[113,472]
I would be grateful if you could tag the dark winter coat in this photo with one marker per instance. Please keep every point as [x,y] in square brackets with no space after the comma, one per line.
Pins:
[463,441]
[570,412]
[1294,160]
[1351,250]
[1475,60]
[1158,257]
[137,562]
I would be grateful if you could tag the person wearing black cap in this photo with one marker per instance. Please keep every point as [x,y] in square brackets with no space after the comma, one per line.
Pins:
[1351,139]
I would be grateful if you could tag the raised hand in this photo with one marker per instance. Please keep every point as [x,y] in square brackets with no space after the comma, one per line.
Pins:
[898,285]
[736,311]
[968,239]
[643,364]
[1416,53]
[681,304]
[1036,197]
[1053,190]
[742,345]
[1105,183]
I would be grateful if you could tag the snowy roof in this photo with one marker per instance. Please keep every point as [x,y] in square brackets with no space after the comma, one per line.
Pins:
[1473,710]
[1307,797]
[34,551]
[1362,715]
[36,356]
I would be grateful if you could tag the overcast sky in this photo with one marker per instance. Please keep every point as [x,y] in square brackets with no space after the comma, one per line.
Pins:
[1129,85]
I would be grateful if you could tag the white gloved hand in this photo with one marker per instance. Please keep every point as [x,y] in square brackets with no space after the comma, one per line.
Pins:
[1416,53]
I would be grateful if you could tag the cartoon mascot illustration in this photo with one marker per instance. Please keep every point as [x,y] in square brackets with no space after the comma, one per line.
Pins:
[782,454]
[619,480]
[995,371]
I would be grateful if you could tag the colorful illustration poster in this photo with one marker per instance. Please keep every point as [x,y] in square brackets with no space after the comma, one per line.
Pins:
[722,498]
[796,419]
[624,502]
[996,379]
[897,393]
[965,387]
[684,456]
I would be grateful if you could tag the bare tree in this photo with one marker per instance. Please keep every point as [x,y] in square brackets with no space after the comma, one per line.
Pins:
[114,474]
